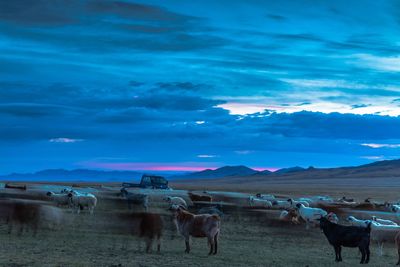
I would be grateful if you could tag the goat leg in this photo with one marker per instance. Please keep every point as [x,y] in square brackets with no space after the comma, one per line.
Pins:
[187,250]
[215,244]
[149,242]
[340,253]
[336,253]
[362,249]
[368,253]
[211,244]
[159,243]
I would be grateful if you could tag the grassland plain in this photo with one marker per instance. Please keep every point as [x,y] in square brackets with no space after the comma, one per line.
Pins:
[247,239]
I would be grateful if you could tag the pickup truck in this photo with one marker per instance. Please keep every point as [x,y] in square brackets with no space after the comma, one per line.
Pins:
[149,181]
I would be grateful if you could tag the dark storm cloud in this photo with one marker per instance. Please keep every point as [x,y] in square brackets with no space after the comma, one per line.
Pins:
[135,11]
[332,126]
[41,12]
[145,80]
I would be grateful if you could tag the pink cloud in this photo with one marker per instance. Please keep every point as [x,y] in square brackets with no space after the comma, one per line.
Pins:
[135,166]
[152,166]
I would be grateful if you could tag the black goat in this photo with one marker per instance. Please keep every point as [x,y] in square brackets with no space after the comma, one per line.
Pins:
[347,236]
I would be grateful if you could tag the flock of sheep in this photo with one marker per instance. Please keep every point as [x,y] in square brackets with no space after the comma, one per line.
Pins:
[210,208]
[358,233]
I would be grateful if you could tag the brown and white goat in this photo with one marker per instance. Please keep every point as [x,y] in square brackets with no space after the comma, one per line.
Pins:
[202,225]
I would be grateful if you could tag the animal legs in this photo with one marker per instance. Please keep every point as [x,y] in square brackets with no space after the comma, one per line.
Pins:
[368,253]
[187,239]
[211,244]
[158,243]
[149,242]
[340,253]
[336,253]
[398,252]
[363,252]
[215,244]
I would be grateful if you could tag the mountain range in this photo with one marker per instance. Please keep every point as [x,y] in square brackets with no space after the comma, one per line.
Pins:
[386,168]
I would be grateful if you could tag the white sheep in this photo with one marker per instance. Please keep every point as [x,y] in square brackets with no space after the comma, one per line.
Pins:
[383,233]
[281,204]
[265,196]
[59,199]
[289,216]
[310,215]
[79,201]
[293,202]
[322,199]
[176,201]
[383,221]
[395,208]
[357,222]
[259,202]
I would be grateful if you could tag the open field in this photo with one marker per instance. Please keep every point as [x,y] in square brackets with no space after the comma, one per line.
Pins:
[248,238]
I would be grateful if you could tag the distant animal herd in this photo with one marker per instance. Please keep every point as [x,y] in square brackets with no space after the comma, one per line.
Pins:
[313,211]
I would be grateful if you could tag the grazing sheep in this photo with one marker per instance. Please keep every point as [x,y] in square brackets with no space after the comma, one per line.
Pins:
[30,215]
[259,202]
[280,204]
[195,197]
[306,199]
[293,202]
[176,201]
[383,233]
[344,199]
[146,225]
[322,200]
[383,221]
[59,199]
[347,236]
[395,208]
[135,199]
[289,216]
[265,196]
[356,222]
[151,227]
[310,215]
[66,191]
[80,201]
[202,225]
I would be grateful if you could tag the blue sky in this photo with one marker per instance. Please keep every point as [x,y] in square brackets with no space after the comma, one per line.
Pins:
[186,85]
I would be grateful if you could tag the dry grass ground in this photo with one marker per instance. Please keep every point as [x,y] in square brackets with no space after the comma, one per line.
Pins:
[247,239]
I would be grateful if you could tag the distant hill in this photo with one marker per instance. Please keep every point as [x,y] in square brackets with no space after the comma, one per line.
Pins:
[74,176]
[289,170]
[381,173]
[226,171]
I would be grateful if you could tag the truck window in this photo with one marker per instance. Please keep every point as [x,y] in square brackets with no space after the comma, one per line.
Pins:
[146,180]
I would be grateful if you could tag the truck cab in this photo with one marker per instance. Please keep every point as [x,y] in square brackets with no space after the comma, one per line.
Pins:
[154,181]
[150,181]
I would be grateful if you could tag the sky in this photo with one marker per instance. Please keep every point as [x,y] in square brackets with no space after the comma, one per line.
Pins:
[187,85]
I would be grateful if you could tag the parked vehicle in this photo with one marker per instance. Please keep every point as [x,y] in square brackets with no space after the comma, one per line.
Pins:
[149,181]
